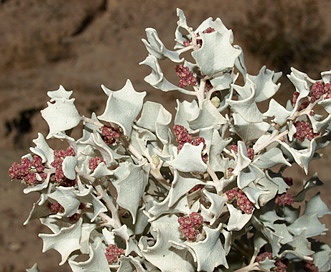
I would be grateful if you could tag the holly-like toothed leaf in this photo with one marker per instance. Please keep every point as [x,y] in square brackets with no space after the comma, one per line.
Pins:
[189,159]
[129,263]
[208,253]
[217,54]
[61,113]
[242,160]
[246,130]
[123,106]
[237,219]
[154,117]
[307,225]
[101,171]
[322,258]
[127,236]
[303,156]
[37,211]
[69,198]
[180,186]
[66,241]
[265,84]
[301,248]
[42,149]
[186,112]
[270,158]
[316,205]
[162,254]
[181,24]
[97,259]
[130,182]
[249,174]
[156,48]
[277,111]
[209,117]
[246,106]
[215,209]
[156,77]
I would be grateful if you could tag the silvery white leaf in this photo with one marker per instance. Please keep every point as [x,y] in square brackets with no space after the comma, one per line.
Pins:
[242,159]
[216,24]
[162,254]
[101,171]
[237,219]
[68,167]
[60,115]
[66,241]
[86,237]
[97,260]
[270,158]
[322,258]
[248,175]
[316,205]
[246,105]
[216,53]
[37,211]
[209,117]
[277,111]
[211,246]
[156,48]
[265,84]
[60,93]
[222,82]
[42,149]
[186,112]
[130,184]
[246,130]
[216,208]
[181,24]
[69,198]
[189,159]
[301,248]
[180,186]
[307,225]
[123,106]
[156,77]
[127,236]
[156,118]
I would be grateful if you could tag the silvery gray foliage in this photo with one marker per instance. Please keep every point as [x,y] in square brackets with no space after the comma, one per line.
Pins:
[204,190]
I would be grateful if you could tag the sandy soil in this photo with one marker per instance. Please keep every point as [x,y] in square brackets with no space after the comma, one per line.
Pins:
[82,44]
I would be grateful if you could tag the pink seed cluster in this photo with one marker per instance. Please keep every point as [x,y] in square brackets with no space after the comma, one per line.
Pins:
[309,266]
[250,151]
[113,253]
[182,136]
[304,131]
[186,76]
[318,89]
[284,199]
[94,162]
[28,171]
[110,134]
[58,176]
[280,265]
[242,200]
[190,225]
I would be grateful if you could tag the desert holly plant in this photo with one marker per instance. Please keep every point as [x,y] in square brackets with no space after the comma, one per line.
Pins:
[203,190]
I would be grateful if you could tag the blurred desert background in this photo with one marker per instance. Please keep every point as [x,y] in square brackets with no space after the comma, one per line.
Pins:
[82,44]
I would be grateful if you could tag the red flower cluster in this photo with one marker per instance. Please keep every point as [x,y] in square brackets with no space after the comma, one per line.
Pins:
[284,199]
[110,134]
[304,131]
[113,253]
[58,176]
[94,162]
[29,171]
[186,76]
[242,200]
[190,225]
